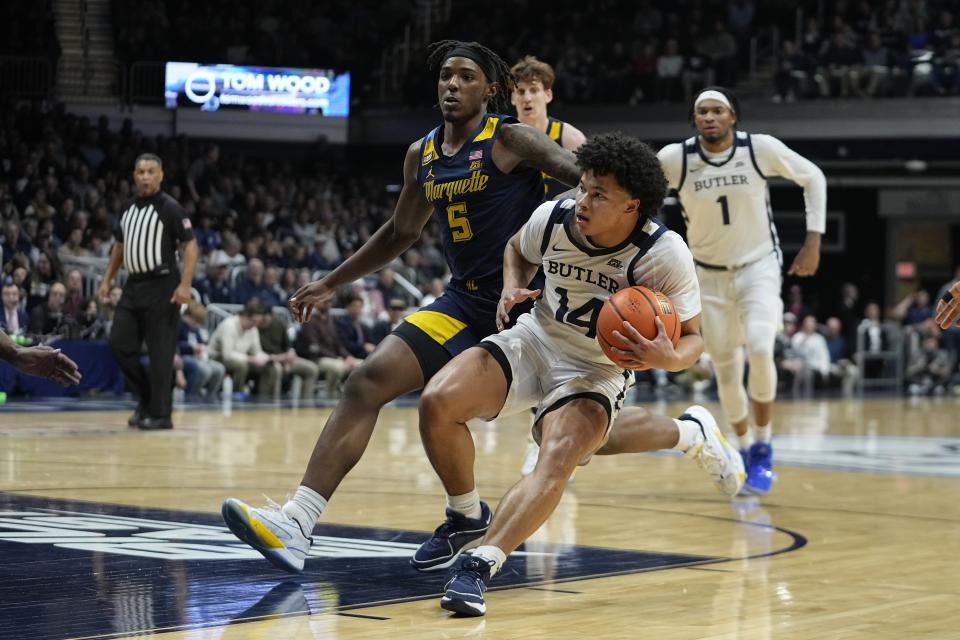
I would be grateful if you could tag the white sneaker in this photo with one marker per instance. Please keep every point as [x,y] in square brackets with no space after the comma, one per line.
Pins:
[270,531]
[715,455]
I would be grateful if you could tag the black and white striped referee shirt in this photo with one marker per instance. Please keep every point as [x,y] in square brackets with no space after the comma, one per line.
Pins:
[151,230]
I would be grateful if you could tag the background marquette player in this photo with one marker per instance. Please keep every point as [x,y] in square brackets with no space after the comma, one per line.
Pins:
[480,174]
[532,92]
[720,177]
[604,241]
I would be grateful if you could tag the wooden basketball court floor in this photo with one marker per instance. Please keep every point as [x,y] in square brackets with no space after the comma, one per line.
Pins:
[106,531]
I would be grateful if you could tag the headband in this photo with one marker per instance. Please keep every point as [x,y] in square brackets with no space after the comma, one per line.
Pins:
[710,94]
[466,51]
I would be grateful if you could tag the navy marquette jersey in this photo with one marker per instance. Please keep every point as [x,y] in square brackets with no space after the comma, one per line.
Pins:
[551,186]
[478,208]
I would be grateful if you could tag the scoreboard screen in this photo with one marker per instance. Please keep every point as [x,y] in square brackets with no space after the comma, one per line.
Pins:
[212,87]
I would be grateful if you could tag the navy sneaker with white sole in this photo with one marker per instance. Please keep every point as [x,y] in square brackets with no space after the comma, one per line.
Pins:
[450,539]
[463,592]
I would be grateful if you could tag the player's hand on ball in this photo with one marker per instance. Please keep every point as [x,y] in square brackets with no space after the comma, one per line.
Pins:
[642,353]
[46,362]
[307,297]
[508,300]
[948,308]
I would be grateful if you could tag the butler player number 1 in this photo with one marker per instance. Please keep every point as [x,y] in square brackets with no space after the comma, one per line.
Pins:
[724,209]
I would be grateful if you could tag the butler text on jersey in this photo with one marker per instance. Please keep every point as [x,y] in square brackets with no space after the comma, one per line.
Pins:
[719,181]
[552,267]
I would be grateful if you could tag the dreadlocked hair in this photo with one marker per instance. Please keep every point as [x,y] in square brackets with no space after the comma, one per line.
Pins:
[632,163]
[491,63]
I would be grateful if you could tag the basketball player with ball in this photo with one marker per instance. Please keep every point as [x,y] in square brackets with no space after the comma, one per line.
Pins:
[720,176]
[593,248]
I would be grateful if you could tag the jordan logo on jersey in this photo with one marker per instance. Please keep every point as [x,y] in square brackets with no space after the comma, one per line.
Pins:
[719,181]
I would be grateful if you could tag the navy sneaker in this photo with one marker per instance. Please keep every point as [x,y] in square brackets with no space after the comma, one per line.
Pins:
[450,539]
[760,475]
[463,592]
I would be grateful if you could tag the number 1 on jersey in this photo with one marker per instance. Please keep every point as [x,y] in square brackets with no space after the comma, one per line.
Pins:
[724,209]
[457,219]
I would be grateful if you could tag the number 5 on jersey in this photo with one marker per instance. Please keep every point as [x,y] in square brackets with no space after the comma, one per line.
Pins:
[459,224]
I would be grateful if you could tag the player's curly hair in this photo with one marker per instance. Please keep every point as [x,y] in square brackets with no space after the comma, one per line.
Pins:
[631,162]
[497,71]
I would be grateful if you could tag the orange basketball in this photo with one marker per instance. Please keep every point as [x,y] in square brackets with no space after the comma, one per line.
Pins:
[638,306]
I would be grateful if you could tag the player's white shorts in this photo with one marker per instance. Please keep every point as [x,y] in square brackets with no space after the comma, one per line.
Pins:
[740,305]
[543,378]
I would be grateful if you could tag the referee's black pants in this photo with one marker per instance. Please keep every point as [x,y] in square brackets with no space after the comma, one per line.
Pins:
[145,314]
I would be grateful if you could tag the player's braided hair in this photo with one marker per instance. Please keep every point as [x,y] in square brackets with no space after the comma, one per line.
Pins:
[497,71]
[634,165]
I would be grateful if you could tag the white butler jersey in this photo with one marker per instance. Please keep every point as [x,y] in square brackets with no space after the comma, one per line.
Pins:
[725,199]
[580,276]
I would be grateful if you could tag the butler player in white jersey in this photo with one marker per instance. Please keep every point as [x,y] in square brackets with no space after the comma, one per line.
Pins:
[550,360]
[720,176]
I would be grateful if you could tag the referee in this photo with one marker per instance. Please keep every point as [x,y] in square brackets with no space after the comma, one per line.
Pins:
[149,309]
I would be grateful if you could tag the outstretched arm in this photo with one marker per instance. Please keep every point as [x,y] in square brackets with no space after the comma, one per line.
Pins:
[393,238]
[520,144]
[44,362]
[948,307]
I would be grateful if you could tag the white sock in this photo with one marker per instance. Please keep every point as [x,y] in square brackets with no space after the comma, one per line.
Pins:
[764,433]
[690,435]
[468,504]
[305,507]
[745,440]
[494,554]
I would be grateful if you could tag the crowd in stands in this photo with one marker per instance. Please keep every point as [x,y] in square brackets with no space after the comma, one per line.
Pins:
[869,49]
[267,227]
[612,51]
[27,28]
[847,343]
[620,51]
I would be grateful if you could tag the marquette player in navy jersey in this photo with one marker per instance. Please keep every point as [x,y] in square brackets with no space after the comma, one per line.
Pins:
[479,173]
[532,92]
[605,240]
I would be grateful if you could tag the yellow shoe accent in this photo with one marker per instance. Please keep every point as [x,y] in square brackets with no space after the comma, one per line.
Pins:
[266,536]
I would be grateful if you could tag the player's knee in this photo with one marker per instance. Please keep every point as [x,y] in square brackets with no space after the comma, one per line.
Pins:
[559,456]
[439,408]
[562,452]
[365,385]
[760,342]
[759,353]
[434,402]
